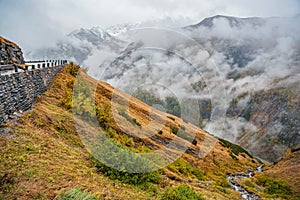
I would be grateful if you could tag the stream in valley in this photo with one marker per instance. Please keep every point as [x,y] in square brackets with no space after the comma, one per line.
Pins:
[244,193]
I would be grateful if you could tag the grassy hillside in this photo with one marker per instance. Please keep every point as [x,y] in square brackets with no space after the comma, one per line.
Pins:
[288,169]
[43,157]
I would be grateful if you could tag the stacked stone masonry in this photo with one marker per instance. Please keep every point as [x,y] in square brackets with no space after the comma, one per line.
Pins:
[18,91]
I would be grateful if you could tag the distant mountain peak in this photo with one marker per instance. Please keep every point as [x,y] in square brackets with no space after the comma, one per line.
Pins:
[94,35]
[233,21]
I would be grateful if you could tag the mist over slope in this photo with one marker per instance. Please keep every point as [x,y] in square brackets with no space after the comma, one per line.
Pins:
[245,69]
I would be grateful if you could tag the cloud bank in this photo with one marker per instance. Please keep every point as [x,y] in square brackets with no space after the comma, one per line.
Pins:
[34,24]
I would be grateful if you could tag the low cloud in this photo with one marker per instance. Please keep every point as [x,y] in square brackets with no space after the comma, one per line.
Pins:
[34,24]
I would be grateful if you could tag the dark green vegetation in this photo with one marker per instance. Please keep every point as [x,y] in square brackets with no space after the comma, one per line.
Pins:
[249,184]
[170,104]
[182,192]
[137,179]
[174,130]
[182,167]
[235,149]
[147,97]
[273,186]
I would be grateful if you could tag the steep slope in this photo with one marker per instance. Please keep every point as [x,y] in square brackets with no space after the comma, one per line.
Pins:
[275,112]
[43,156]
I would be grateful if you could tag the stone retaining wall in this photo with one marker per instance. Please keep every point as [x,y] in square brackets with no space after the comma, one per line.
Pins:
[18,91]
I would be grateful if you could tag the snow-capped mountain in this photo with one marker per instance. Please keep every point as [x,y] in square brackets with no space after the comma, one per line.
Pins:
[76,46]
[121,28]
[95,35]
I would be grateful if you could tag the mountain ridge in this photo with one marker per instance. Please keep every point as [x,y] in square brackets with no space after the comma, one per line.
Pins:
[234,21]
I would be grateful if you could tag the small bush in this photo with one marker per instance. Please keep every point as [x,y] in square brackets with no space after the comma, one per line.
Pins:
[76,194]
[194,142]
[104,117]
[66,101]
[160,132]
[174,130]
[198,174]
[183,192]
[73,69]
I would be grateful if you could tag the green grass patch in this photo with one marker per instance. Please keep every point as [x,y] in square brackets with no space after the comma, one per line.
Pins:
[182,192]
[76,194]
[249,184]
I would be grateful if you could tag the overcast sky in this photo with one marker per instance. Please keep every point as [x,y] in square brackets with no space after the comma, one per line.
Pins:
[36,23]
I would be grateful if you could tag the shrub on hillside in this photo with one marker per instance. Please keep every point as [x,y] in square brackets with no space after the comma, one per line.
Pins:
[104,116]
[72,69]
[184,168]
[76,194]
[273,186]
[182,192]
[129,178]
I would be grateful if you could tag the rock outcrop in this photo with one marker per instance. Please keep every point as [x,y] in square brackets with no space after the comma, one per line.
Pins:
[10,53]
